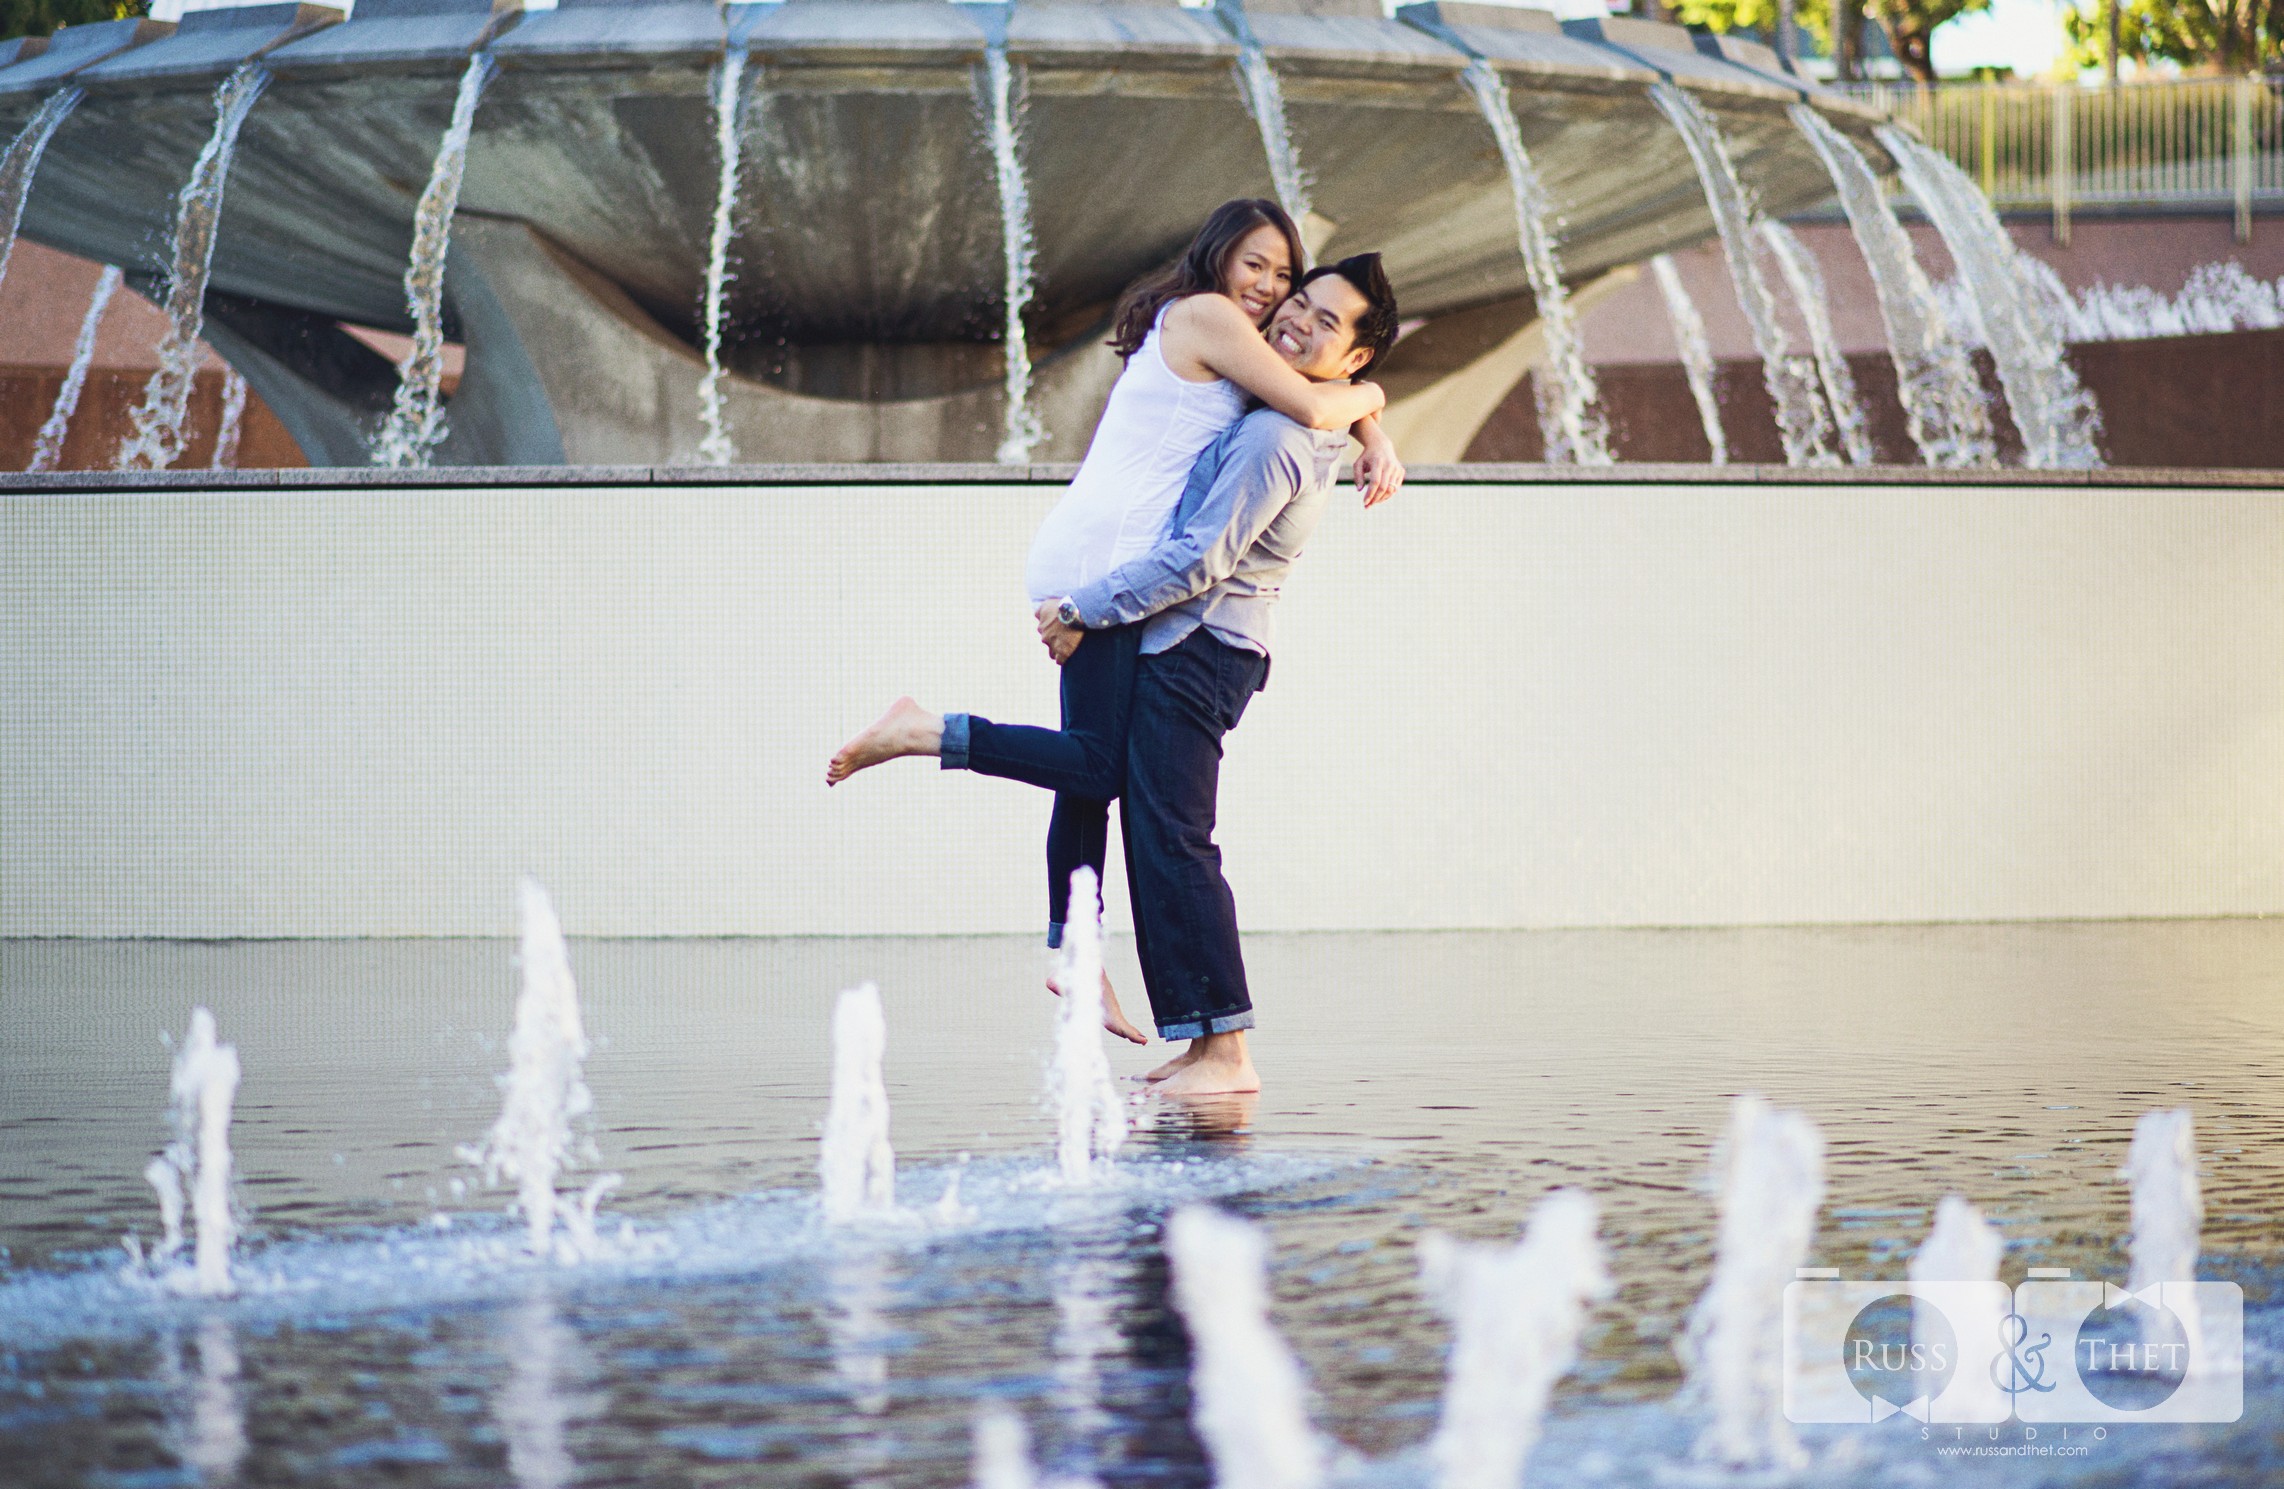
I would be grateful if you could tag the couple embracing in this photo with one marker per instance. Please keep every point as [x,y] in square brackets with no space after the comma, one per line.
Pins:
[1152,581]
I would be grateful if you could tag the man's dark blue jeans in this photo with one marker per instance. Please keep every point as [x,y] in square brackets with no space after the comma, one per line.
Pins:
[1084,763]
[1185,918]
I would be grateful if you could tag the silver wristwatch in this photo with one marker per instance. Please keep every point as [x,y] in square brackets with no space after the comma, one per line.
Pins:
[1068,613]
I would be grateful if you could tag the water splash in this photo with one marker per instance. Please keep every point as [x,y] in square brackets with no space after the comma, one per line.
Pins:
[530,1409]
[416,424]
[47,449]
[1696,352]
[1516,1314]
[2168,1206]
[1570,416]
[1247,1395]
[2218,297]
[1806,281]
[1801,419]
[855,1162]
[157,438]
[1942,398]
[544,1095]
[233,422]
[1003,1455]
[1022,430]
[22,162]
[717,447]
[1265,100]
[1770,1168]
[197,1162]
[1090,1122]
[1963,1247]
[2014,313]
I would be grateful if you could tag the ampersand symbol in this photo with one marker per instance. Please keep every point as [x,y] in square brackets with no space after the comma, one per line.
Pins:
[2025,1371]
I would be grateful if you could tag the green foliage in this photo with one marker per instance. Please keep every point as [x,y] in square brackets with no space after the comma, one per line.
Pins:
[1910,24]
[2225,35]
[41,17]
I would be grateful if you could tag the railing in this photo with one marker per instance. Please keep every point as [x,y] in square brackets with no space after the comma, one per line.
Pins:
[2190,142]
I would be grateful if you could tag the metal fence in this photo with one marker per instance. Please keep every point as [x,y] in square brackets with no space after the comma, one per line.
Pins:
[2188,142]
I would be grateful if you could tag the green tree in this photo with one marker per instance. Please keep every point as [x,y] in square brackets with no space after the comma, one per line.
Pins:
[1909,24]
[41,17]
[2219,35]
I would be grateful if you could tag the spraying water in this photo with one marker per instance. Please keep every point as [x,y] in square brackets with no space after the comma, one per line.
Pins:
[157,438]
[1090,1123]
[1516,1313]
[1570,416]
[2168,1207]
[1023,429]
[416,424]
[1801,421]
[2016,317]
[1696,352]
[1770,1167]
[22,162]
[716,447]
[1266,101]
[47,449]
[1247,1396]
[233,423]
[197,1161]
[855,1162]
[1942,397]
[1806,282]
[544,1094]
[1003,1455]
[1963,1247]
[2218,297]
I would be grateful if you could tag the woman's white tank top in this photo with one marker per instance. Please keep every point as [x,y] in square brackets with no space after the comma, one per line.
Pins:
[1152,431]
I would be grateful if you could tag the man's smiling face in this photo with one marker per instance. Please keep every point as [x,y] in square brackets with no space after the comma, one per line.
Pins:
[1315,329]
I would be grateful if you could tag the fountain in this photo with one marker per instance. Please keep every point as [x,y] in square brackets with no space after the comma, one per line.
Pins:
[22,162]
[1942,398]
[232,423]
[855,1162]
[416,423]
[1695,351]
[1265,100]
[1023,429]
[2168,1207]
[1964,1247]
[1770,1170]
[544,1095]
[1090,1121]
[1247,1396]
[197,1161]
[1806,282]
[529,1409]
[1570,418]
[1003,1456]
[1801,420]
[157,439]
[718,448]
[47,449]
[1516,1314]
[2056,416]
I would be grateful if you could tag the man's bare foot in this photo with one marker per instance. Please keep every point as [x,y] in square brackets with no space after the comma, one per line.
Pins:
[906,729]
[1182,1061]
[1113,1017]
[1221,1067]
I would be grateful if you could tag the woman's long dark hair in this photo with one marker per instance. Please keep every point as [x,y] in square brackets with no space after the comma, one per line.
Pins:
[1202,268]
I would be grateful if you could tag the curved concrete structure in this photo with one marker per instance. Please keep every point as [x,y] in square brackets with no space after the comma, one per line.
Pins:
[868,281]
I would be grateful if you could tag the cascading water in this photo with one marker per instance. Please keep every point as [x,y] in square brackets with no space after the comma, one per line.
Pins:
[1806,281]
[716,447]
[1247,1397]
[1695,350]
[1516,1314]
[2056,415]
[1023,429]
[232,425]
[855,1162]
[1090,1122]
[1570,415]
[47,449]
[157,437]
[544,1095]
[197,1162]
[1943,402]
[2168,1206]
[22,162]
[1266,100]
[1801,420]
[1770,1168]
[416,423]
[2216,298]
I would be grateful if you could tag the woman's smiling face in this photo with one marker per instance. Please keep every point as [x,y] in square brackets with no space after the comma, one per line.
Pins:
[1258,273]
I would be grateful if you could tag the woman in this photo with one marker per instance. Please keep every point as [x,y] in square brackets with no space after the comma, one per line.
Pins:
[1192,338]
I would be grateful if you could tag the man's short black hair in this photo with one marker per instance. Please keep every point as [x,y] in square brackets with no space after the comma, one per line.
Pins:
[1376,327]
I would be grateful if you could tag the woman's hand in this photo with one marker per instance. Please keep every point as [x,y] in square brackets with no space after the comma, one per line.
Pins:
[1059,639]
[1379,470]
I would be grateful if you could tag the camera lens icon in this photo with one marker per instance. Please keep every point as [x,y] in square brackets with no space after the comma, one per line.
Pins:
[1900,1349]
[2132,1356]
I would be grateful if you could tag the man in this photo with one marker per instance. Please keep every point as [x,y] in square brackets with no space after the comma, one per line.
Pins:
[1253,501]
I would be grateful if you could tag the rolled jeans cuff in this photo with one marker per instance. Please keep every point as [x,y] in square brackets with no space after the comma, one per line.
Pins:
[1054,935]
[954,754]
[1227,1023]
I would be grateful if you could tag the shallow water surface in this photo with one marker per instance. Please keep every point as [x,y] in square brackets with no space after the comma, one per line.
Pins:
[388,1330]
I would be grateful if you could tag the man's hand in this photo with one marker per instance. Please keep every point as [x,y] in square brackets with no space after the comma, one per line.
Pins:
[1379,473]
[1059,639]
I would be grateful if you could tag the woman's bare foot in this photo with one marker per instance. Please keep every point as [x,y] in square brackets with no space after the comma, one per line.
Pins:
[1113,1017]
[1219,1066]
[1182,1061]
[906,729]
